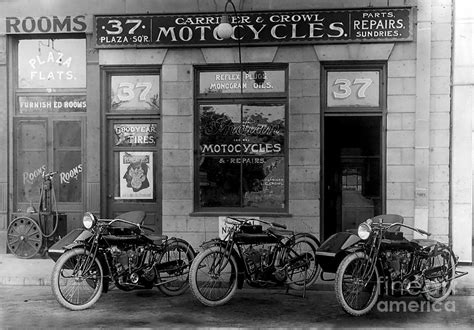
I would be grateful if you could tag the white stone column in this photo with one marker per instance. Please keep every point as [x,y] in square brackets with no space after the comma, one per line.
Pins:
[462,135]
[422,116]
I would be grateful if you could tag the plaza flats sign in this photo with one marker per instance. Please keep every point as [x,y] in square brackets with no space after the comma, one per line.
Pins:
[258,28]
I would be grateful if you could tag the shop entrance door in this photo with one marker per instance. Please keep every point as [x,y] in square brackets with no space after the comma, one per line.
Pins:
[133,168]
[352,171]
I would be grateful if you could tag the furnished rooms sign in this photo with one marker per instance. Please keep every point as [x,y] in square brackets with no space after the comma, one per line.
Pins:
[313,26]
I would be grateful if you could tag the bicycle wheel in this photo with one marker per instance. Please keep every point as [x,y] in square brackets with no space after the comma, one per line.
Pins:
[77,279]
[441,270]
[300,260]
[24,237]
[173,268]
[213,276]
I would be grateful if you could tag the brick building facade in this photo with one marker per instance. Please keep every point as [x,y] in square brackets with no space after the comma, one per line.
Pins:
[404,149]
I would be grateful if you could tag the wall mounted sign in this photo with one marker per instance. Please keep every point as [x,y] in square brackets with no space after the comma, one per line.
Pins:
[258,81]
[311,26]
[135,134]
[136,175]
[52,63]
[52,103]
[46,24]
[353,88]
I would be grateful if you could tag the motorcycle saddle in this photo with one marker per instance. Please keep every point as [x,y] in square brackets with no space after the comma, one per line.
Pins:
[280,232]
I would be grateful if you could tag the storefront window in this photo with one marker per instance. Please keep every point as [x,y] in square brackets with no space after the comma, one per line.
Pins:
[241,163]
[49,118]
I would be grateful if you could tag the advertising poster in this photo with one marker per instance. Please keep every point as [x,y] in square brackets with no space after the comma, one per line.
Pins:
[136,175]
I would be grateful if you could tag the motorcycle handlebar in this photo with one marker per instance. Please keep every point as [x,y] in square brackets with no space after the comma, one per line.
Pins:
[421,231]
[237,221]
[424,232]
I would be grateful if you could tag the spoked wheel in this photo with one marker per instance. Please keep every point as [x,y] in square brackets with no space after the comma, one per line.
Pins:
[77,279]
[213,276]
[173,268]
[24,237]
[439,275]
[356,293]
[300,260]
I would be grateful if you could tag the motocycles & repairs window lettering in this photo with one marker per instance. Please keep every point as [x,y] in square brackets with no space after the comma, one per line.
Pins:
[241,153]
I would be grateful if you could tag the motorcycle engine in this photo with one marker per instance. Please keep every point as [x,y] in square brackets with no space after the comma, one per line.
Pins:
[257,260]
[397,263]
[128,264]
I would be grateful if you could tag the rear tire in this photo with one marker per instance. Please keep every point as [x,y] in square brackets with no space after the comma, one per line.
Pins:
[438,289]
[213,276]
[77,280]
[176,276]
[306,271]
[356,298]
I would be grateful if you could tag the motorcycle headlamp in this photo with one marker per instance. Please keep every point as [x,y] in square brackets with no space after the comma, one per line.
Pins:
[364,229]
[89,220]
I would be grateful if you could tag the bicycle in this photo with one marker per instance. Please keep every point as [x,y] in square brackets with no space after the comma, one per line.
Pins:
[26,236]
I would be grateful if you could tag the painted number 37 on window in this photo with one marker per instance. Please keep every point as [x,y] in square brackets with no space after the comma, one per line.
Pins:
[346,87]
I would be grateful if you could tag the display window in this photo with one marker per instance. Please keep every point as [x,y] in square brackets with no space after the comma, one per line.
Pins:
[241,159]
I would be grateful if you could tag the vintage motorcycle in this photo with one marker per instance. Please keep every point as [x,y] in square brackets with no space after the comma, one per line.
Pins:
[380,261]
[117,251]
[271,257]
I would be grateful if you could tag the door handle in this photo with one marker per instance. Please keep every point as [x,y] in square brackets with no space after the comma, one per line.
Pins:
[109,196]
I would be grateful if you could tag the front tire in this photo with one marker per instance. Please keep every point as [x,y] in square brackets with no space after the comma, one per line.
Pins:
[77,279]
[175,281]
[356,295]
[213,276]
[305,270]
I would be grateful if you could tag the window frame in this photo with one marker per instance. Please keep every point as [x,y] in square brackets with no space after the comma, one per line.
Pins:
[240,99]
[49,117]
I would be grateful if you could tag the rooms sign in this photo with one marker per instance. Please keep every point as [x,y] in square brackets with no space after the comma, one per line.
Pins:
[297,27]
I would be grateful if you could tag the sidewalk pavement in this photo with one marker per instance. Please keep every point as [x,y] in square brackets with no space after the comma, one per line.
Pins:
[37,271]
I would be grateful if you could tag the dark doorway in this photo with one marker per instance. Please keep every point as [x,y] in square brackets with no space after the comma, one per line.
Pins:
[352,171]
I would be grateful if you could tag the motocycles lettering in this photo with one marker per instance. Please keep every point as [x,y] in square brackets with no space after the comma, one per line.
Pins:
[321,26]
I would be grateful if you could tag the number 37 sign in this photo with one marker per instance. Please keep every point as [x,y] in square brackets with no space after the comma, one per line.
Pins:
[135,92]
[353,88]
